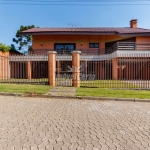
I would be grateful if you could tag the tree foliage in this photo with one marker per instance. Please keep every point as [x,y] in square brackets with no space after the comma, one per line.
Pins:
[23,41]
[4,48]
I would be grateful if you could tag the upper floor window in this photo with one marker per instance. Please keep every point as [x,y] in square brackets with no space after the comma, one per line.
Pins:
[93,45]
[64,48]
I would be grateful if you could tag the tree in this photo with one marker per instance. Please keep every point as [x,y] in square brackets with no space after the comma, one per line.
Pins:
[24,42]
[4,48]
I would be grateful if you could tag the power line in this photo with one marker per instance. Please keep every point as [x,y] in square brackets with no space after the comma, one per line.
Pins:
[76,2]
[83,4]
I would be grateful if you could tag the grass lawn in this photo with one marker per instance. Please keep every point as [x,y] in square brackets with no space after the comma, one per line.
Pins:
[107,84]
[24,88]
[105,92]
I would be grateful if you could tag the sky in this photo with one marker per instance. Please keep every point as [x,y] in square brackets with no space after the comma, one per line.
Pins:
[70,13]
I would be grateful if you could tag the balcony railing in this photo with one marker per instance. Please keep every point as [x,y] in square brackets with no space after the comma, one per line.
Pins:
[130,46]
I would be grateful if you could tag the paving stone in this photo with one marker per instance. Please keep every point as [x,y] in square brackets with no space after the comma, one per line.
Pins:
[55,124]
[49,147]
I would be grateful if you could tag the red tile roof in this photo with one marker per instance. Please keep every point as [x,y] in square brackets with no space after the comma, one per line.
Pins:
[98,30]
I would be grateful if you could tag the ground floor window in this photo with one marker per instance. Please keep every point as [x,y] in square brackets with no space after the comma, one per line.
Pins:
[64,48]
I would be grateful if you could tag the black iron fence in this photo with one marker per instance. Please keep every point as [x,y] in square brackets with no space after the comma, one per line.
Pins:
[116,70]
[29,69]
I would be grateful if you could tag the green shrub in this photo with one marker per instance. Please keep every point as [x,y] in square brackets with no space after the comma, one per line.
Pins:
[4,48]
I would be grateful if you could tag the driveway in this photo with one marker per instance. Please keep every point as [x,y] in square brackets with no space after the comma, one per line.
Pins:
[47,124]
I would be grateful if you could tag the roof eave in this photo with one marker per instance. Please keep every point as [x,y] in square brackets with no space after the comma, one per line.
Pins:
[68,33]
[84,33]
[134,34]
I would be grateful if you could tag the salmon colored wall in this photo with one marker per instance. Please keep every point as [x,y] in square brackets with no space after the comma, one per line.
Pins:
[49,40]
[142,39]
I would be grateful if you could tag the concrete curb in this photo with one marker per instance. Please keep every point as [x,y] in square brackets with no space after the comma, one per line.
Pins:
[75,97]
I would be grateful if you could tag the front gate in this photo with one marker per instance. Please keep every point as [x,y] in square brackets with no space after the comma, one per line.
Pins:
[63,70]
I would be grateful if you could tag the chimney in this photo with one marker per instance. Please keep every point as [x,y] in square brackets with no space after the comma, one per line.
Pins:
[133,23]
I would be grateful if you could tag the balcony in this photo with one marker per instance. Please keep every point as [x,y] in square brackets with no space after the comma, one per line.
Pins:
[118,46]
[131,46]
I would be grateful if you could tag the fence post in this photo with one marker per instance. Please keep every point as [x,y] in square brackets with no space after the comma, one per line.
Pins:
[76,68]
[51,67]
[114,69]
[29,74]
[4,65]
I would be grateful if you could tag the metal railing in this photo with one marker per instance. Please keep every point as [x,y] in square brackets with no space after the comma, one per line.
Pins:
[129,71]
[94,51]
[130,46]
[29,69]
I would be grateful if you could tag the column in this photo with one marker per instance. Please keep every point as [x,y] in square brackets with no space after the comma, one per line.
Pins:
[51,67]
[4,65]
[76,68]
[29,73]
[114,69]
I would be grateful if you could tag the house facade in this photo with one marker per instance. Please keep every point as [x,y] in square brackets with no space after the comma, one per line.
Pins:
[89,40]
[100,41]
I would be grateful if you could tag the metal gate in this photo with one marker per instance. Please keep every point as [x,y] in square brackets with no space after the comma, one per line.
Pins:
[63,70]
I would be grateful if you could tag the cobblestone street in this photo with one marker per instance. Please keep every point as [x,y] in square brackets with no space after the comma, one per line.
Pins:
[55,124]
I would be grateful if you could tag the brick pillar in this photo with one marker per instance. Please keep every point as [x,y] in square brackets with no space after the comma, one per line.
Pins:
[76,68]
[29,73]
[51,67]
[114,69]
[4,65]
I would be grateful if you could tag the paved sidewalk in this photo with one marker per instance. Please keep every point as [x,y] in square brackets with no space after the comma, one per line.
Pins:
[62,91]
[55,124]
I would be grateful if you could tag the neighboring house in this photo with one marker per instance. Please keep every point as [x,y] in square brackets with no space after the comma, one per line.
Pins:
[15,52]
[94,40]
